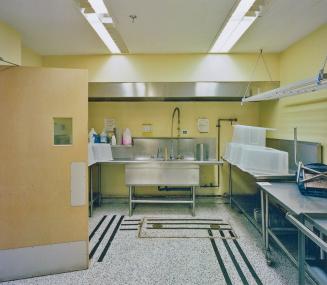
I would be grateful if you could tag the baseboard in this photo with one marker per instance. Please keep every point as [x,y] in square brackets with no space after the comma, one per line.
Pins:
[35,261]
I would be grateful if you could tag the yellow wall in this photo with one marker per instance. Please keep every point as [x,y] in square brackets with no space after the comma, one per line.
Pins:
[10,44]
[30,58]
[35,198]
[133,114]
[11,48]
[308,112]
[169,68]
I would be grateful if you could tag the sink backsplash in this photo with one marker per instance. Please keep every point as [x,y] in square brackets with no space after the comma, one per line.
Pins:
[147,148]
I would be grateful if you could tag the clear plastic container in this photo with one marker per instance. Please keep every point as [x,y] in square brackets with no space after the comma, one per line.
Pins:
[262,160]
[249,135]
[233,152]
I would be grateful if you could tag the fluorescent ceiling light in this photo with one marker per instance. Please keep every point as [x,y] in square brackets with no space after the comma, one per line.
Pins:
[102,32]
[236,26]
[98,6]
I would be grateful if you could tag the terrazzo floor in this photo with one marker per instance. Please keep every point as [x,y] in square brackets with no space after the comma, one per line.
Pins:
[127,259]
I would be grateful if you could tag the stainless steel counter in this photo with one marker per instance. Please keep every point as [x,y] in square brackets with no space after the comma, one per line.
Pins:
[297,207]
[155,161]
[265,177]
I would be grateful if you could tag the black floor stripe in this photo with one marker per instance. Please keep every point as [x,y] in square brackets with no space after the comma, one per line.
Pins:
[128,229]
[97,227]
[232,256]
[94,249]
[247,262]
[184,228]
[137,220]
[104,252]
[186,219]
[220,260]
[181,223]
[129,224]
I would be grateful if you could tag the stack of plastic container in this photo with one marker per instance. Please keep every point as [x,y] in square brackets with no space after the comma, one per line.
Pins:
[249,152]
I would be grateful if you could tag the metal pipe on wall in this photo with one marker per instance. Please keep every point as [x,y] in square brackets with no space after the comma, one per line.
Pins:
[231,120]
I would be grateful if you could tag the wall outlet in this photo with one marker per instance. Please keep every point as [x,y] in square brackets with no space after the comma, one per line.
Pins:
[184,132]
[147,128]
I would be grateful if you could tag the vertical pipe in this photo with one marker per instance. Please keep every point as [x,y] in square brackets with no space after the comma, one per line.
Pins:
[263,217]
[231,120]
[266,225]
[301,255]
[295,146]
[193,204]
[130,200]
[230,186]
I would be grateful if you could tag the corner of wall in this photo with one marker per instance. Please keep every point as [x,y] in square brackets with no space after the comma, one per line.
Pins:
[30,58]
[10,44]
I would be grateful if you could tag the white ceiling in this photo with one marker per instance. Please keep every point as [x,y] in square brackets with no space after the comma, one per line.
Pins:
[282,23]
[169,26]
[162,26]
[51,26]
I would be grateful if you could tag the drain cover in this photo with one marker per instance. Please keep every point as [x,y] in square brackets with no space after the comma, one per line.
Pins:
[214,227]
[157,226]
[160,227]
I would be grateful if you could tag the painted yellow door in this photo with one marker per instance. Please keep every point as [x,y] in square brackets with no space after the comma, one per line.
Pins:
[38,216]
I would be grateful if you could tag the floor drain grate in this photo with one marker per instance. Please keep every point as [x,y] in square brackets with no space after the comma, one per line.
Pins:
[185,228]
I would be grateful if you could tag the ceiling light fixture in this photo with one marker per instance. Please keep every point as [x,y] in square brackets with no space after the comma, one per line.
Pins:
[98,6]
[236,26]
[102,32]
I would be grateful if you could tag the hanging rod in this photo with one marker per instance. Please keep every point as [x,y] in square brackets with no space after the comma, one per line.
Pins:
[300,87]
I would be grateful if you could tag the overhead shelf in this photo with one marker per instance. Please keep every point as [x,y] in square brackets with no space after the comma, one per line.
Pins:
[300,87]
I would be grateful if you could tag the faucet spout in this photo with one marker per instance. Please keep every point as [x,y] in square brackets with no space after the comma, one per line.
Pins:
[178,122]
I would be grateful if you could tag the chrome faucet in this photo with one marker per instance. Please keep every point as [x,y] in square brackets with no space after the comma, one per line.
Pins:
[178,122]
[172,154]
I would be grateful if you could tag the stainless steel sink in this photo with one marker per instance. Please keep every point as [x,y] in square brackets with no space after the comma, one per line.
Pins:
[162,174]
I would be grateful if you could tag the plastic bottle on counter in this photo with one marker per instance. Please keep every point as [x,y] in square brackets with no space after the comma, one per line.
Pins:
[118,136]
[92,136]
[103,137]
[127,137]
[113,140]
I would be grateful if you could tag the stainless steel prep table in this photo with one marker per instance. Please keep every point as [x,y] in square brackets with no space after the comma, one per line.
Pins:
[97,196]
[316,268]
[294,203]
[175,163]
[248,203]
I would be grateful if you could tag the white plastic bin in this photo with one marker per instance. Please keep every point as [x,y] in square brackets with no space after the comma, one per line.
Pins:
[262,160]
[102,152]
[233,152]
[249,135]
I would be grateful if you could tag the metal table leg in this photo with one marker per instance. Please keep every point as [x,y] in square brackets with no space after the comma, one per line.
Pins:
[193,201]
[130,189]
[230,184]
[99,185]
[133,196]
[263,218]
[267,250]
[91,191]
[301,255]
